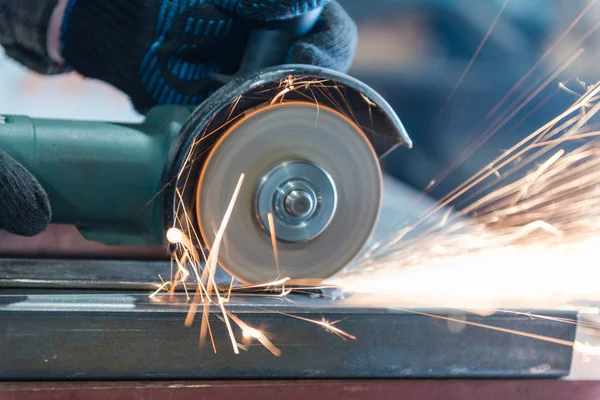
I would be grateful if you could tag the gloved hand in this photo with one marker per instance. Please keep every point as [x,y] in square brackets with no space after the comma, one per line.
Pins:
[24,207]
[160,51]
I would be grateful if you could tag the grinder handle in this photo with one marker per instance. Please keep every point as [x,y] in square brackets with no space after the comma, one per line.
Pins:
[270,41]
[101,177]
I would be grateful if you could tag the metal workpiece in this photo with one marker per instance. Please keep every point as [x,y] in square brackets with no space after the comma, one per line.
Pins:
[103,335]
[82,274]
[98,274]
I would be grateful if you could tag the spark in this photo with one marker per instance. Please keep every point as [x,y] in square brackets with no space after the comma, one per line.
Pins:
[176,236]
[190,265]
[160,288]
[274,242]
[584,348]
[212,264]
[206,282]
[562,86]
[510,155]
[281,95]
[370,104]
[546,54]
[230,290]
[234,106]
[252,333]
[526,243]
[517,85]
[470,64]
[326,325]
[536,175]
[503,228]
[508,115]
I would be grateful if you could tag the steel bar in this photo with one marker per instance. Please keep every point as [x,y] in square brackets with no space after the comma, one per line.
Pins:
[87,274]
[65,273]
[87,336]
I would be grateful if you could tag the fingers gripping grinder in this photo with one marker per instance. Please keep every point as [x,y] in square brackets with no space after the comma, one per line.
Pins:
[307,139]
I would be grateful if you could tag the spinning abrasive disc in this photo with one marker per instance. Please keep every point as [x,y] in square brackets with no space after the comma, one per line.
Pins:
[313,170]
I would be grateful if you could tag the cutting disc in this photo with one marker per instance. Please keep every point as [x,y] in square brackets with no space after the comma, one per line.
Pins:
[314,170]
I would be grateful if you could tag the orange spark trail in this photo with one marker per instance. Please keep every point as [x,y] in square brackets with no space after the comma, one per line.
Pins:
[546,54]
[437,180]
[488,134]
[274,243]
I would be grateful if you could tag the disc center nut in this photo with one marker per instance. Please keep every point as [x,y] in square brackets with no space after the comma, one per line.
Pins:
[302,198]
[299,204]
[296,201]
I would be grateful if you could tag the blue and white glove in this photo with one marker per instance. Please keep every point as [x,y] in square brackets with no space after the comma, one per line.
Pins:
[161,51]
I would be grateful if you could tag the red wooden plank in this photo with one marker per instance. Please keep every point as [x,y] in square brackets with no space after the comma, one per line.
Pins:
[313,390]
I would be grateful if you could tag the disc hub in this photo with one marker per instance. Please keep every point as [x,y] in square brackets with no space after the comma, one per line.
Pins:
[302,198]
[300,204]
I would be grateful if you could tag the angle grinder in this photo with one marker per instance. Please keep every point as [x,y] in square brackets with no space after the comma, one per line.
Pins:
[307,139]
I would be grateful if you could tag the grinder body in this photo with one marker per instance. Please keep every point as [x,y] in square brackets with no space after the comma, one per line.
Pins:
[121,184]
[99,176]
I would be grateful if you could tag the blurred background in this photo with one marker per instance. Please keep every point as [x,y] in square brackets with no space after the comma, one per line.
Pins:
[413,52]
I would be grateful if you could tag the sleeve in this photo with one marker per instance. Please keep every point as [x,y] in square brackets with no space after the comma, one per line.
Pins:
[23,30]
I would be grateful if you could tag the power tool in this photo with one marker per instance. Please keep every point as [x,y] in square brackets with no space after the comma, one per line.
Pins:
[307,139]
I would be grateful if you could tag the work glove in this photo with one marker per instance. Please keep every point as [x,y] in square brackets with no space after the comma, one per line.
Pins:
[162,51]
[24,206]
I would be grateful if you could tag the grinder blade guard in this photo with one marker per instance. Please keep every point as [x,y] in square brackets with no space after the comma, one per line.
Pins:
[307,140]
